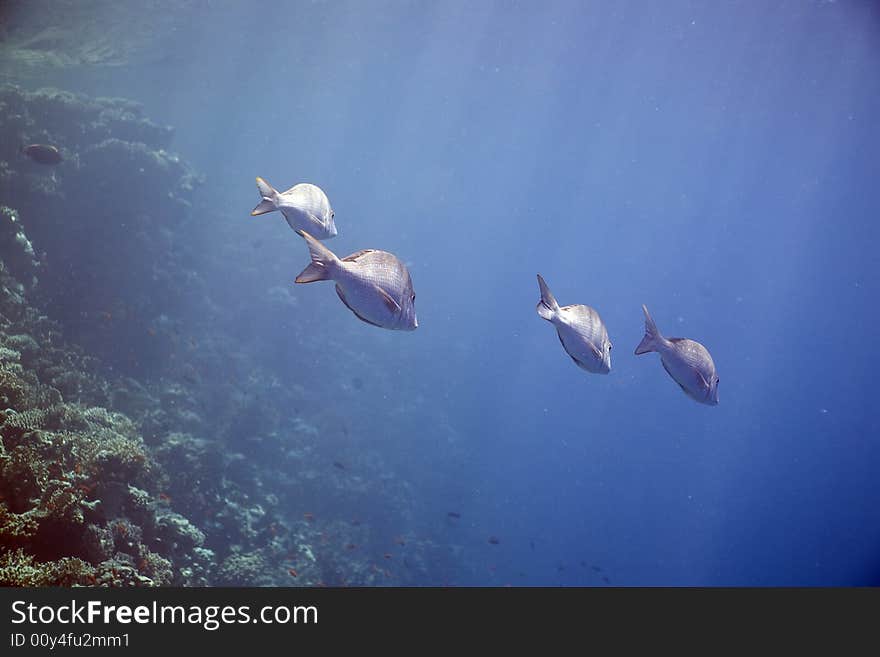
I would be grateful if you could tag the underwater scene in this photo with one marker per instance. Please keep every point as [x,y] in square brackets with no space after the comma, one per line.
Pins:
[457,293]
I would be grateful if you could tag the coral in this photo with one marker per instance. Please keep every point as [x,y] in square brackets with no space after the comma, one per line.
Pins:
[18,252]
[16,527]
[138,191]
[17,568]
[244,569]
[176,533]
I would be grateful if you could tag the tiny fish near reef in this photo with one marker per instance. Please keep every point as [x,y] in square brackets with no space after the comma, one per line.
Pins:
[42,153]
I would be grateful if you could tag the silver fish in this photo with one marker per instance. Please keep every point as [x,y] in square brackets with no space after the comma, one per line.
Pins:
[305,206]
[686,361]
[581,331]
[374,285]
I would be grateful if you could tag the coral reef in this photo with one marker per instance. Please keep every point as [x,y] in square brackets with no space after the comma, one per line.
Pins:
[136,192]
[141,445]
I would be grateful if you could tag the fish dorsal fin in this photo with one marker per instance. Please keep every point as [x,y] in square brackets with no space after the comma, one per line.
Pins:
[390,303]
[357,254]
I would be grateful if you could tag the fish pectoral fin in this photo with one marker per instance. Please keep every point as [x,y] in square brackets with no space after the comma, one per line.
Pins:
[677,382]
[390,303]
[357,254]
[342,298]
[701,380]
[596,352]
[317,222]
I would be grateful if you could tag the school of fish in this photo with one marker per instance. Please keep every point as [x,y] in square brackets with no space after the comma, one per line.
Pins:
[377,287]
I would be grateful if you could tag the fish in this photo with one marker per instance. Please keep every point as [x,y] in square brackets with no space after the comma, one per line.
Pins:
[305,207]
[688,362]
[580,329]
[374,285]
[453,514]
[292,572]
[494,540]
[42,153]
[339,465]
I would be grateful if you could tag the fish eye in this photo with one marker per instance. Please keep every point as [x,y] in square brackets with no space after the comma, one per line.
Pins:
[413,298]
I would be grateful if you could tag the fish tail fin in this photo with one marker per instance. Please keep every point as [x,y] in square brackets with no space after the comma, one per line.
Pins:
[547,307]
[270,196]
[323,260]
[652,337]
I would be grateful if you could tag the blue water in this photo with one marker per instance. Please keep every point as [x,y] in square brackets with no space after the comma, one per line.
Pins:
[715,161]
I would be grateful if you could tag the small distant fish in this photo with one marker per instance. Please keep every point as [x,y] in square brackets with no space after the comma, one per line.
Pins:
[292,572]
[387,555]
[494,540]
[308,516]
[165,497]
[351,546]
[453,514]
[374,285]
[337,464]
[580,329]
[304,206]
[400,540]
[356,522]
[42,153]
[686,361]
[596,568]
[606,580]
